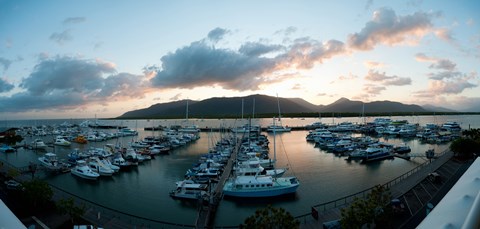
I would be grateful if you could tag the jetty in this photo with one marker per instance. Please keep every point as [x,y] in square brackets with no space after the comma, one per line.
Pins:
[208,208]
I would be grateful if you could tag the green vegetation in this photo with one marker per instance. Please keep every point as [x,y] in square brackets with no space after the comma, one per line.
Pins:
[299,115]
[271,218]
[467,146]
[37,192]
[373,210]
[67,206]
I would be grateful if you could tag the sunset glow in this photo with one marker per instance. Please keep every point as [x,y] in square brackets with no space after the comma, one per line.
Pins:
[78,59]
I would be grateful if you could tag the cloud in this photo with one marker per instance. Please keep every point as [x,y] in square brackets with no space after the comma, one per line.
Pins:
[176,97]
[297,87]
[444,75]
[258,49]
[61,38]
[373,64]
[74,20]
[449,87]
[69,83]
[388,28]
[5,63]
[443,64]
[200,64]
[376,76]
[373,90]
[5,86]
[444,34]
[421,57]
[216,34]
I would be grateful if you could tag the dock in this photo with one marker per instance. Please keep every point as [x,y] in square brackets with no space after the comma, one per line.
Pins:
[208,209]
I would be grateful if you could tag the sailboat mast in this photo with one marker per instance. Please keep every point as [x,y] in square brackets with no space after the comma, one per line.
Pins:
[253,112]
[186,113]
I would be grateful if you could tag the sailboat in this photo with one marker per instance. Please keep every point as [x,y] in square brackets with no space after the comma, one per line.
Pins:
[260,185]
[189,128]
[278,128]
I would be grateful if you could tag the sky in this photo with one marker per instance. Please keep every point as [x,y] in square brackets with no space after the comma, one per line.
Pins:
[86,59]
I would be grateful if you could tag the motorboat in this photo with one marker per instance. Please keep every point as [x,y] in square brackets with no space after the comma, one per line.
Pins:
[119,161]
[97,166]
[50,161]
[4,148]
[278,128]
[260,186]
[402,149]
[60,141]
[188,189]
[82,170]
[108,163]
[38,144]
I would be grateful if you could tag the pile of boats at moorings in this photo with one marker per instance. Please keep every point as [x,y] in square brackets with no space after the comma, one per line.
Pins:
[338,138]
[110,159]
[254,174]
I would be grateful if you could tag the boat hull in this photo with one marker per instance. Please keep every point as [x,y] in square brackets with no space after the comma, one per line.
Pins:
[262,193]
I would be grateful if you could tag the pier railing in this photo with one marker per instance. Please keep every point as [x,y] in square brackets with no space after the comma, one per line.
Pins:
[344,201]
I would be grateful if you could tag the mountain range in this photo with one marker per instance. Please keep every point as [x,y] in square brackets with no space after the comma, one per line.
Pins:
[263,105]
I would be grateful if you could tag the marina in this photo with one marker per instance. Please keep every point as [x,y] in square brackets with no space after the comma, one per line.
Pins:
[319,172]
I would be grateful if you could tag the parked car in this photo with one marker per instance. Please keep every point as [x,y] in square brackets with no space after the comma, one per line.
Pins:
[13,185]
[434,177]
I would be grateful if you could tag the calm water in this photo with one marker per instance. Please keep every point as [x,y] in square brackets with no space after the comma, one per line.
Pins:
[323,176]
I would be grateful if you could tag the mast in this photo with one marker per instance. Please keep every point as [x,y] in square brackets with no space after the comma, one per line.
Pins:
[186,113]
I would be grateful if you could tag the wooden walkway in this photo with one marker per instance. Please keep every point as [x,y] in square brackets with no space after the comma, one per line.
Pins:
[208,209]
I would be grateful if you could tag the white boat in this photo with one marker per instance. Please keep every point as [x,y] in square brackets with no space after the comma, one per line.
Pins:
[119,161]
[38,144]
[188,189]
[108,163]
[97,166]
[82,170]
[59,141]
[260,186]
[50,161]
[277,128]
[255,169]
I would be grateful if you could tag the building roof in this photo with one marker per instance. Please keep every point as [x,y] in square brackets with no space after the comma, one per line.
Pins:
[460,207]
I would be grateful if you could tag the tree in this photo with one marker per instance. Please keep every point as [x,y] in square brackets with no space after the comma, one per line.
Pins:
[67,206]
[368,211]
[468,145]
[271,218]
[37,192]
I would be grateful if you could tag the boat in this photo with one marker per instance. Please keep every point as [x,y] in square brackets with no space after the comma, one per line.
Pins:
[38,144]
[188,189]
[97,166]
[260,186]
[120,162]
[50,161]
[82,170]
[60,141]
[4,148]
[378,155]
[80,139]
[402,149]
[108,163]
[280,127]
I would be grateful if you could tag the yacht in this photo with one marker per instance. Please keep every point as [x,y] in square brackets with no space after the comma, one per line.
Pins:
[277,128]
[82,170]
[50,161]
[260,186]
[38,144]
[188,189]
[60,141]
[108,163]
[120,162]
[97,166]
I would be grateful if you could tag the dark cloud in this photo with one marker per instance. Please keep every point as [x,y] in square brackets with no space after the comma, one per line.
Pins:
[74,20]
[444,64]
[61,38]
[5,86]
[258,49]
[387,80]
[388,28]
[5,63]
[444,75]
[69,83]
[216,34]
[200,64]
[65,73]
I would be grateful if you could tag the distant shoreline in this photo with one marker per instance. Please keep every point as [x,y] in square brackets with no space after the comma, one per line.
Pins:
[300,115]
